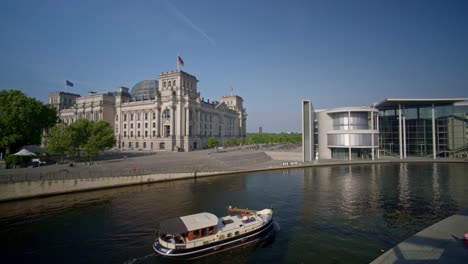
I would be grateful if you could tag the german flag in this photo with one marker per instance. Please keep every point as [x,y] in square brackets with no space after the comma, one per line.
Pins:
[181,62]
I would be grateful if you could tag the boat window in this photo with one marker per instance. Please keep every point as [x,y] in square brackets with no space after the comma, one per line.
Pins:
[211,231]
[196,233]
[203,232]
[229,235]
[237,233]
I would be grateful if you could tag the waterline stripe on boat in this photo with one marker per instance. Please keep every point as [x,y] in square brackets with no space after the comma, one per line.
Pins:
[200,250]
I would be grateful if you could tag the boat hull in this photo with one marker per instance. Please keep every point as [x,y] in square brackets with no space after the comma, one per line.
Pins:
[215,247]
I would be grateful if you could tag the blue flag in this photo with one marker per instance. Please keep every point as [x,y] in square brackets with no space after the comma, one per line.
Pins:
[69,83]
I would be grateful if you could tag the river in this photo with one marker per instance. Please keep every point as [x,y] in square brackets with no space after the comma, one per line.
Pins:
[336,214]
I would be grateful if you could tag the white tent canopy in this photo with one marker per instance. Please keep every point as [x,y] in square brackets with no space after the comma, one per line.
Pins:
[24,152]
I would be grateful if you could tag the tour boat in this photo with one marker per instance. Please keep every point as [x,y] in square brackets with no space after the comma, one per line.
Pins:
[201,234]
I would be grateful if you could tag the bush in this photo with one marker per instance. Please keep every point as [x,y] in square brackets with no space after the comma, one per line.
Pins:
[13,161]
[212,142]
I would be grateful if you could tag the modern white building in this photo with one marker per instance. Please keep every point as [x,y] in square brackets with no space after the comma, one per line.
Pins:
[348,133]
[395,128]
[163,114]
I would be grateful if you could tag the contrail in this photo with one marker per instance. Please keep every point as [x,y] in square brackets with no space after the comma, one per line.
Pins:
[190,23]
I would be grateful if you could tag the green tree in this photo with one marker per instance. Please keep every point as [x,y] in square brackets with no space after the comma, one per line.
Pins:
[22,119]
[101,137]
[80,132]
[233,142]
[60,141]
[212,142]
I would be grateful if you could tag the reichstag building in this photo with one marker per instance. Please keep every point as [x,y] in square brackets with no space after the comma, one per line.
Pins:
[164,114]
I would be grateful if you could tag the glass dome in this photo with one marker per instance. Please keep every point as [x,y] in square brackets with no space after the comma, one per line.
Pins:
[144,89]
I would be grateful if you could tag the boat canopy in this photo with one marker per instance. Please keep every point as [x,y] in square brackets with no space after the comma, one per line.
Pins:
[184,224]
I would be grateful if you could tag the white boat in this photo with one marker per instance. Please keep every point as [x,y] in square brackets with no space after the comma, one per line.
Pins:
[202,234]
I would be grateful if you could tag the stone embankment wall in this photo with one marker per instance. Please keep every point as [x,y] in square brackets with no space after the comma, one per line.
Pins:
[20,190]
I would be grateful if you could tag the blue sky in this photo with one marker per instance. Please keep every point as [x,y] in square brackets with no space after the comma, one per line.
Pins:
[274,53]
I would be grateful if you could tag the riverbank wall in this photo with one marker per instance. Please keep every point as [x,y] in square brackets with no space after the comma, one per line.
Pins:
[31,189]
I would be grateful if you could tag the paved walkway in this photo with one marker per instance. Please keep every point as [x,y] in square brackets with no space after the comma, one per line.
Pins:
[439,243]
[177,162]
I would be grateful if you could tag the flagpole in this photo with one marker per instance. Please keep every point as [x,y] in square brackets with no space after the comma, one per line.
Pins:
[65,86]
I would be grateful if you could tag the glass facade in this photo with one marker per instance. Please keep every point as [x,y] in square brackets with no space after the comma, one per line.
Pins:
[451,131]
[355,120]
[144,89]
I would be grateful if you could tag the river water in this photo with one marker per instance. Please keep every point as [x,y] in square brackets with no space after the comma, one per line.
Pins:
[338,214]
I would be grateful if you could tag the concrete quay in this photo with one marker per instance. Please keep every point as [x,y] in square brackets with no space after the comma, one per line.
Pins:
[439,243]
[156,167]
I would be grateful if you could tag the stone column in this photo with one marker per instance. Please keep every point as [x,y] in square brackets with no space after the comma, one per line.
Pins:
[187,121]
[173,115]
[198,123]
[159,122]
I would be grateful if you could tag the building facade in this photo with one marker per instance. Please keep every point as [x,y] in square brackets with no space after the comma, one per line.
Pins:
[348,133]
[163,114]
[424,127]
[394,128]
[62,100]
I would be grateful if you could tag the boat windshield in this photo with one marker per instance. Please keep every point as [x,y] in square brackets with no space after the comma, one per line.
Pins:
[174,239]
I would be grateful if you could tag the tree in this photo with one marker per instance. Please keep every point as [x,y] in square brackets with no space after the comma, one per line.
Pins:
[101,137]
[23,119]
[80,132]
[212,142]
[60,141]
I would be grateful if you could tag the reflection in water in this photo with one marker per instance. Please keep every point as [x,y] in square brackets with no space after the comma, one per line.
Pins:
[339,214]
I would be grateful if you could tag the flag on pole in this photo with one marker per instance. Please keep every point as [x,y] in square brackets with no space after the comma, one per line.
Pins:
[181,62]
[232,89]
[68,83]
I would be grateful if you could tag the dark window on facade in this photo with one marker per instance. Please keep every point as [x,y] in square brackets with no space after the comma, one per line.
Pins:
[146,125]
[146,133]
[131,125]
[125,117]
[131,117]
[138,133]
[167,113]
[146,116]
